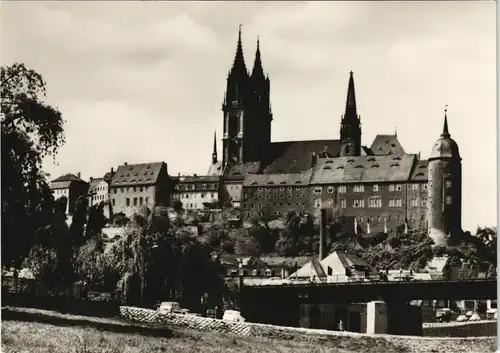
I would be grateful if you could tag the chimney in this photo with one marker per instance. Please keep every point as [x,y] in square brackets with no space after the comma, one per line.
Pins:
[322,234]
[125,164]
[112,170]
[79,175]
[313,159]
[195,175]
[418,155]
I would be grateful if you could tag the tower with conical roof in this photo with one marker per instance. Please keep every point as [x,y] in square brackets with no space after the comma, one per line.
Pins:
[444,203]
[246,109]
[350,127]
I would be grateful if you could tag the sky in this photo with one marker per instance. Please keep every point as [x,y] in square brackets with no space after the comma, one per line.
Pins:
[144,81]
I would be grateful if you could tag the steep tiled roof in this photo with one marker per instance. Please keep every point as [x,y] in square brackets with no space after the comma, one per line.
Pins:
[349,260]
[386,144]
[199,179]
[67,177]
[296,156]
[319,269]
[240,170]
[215,168]
[363,169]
[137,174]
[278,179]
[278,261]
[108,177]
[420,171]
[93,185]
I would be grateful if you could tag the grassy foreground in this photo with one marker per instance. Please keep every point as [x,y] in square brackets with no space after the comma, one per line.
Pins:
[31,330]
[35,331]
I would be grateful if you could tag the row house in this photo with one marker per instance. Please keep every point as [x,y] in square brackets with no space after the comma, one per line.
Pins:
[197,192]
[136,185]
[275,194]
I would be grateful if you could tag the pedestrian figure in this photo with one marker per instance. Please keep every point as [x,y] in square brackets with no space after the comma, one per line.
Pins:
[341,325]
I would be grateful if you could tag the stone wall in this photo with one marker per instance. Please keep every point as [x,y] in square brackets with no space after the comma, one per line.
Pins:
[485,328]
[359,342]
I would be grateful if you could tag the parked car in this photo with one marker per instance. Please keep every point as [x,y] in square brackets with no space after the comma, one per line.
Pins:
[462,318]
[475,317]
[233,315]
[491,314]
[172,307]
[443,315]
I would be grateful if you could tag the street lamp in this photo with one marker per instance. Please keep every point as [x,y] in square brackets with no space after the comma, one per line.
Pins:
[143,272]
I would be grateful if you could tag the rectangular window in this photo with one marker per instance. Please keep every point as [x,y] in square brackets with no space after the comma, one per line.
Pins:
[359,188]
[318,189]
[135,201]
[391,187]
[342,189]
[260,205]
[140,189]
[448,200]
[448,183]
[375,187]
[141,200]
[146,200]
[398,187]
[330,189]
[343,203]
[395,202]
[414,202]
[375,202]
[414,186]
[424,201]
[358,203]
[114,190]
[424,187]
[202,195]
[398,202]
[127,201]
[134,189]
[113,202]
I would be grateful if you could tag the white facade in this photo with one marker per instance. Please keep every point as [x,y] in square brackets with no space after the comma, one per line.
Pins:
[99,193]
[62,192]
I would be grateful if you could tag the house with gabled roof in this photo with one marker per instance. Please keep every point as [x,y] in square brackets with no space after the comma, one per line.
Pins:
[137,185]
[70,186]
[336,267]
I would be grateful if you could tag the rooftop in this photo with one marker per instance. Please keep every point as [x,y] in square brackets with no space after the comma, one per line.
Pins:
[137,174]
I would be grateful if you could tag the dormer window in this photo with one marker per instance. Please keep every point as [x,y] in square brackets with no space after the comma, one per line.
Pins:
[340,167]
[350,160]
[371,159]
[375,166]
[326,167]
[328,162]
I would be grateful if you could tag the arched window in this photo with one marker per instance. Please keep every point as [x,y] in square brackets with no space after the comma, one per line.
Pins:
[347,149]
[268,272]
[254,272]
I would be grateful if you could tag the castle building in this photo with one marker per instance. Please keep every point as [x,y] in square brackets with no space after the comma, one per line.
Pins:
[99,191]
[381,186]
[70,186]
[136,185]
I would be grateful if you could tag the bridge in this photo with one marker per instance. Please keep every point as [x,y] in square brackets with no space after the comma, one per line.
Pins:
[276,303]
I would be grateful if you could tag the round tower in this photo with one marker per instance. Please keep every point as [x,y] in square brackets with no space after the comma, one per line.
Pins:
[444,203]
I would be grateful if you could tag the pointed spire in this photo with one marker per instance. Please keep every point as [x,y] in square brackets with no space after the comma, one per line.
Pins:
[445,127]
[215,142]
[239,62]
[350,107]
[214,153]
[257,71]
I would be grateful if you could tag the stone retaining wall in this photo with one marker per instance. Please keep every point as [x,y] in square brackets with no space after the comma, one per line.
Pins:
[358,342]
[482,328]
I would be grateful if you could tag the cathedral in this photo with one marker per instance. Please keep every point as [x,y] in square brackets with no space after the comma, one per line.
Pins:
[380,187]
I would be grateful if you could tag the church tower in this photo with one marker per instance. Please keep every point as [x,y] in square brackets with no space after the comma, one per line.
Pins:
[234,108]
[444,204]
[247,111]
[214,153]
[261,128]
[350,127]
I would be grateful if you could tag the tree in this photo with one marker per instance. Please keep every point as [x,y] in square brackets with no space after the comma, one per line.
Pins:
[96,221]
[77,228]
[30,131]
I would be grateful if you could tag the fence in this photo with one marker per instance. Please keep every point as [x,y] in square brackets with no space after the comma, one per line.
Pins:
[483,328]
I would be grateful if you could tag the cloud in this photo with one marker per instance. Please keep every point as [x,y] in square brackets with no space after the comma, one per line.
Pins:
[143,81]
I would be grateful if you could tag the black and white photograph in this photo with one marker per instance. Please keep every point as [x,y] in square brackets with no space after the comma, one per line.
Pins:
[248,176]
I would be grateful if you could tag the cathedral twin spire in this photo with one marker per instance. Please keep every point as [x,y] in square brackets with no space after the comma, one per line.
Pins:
[239,69]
